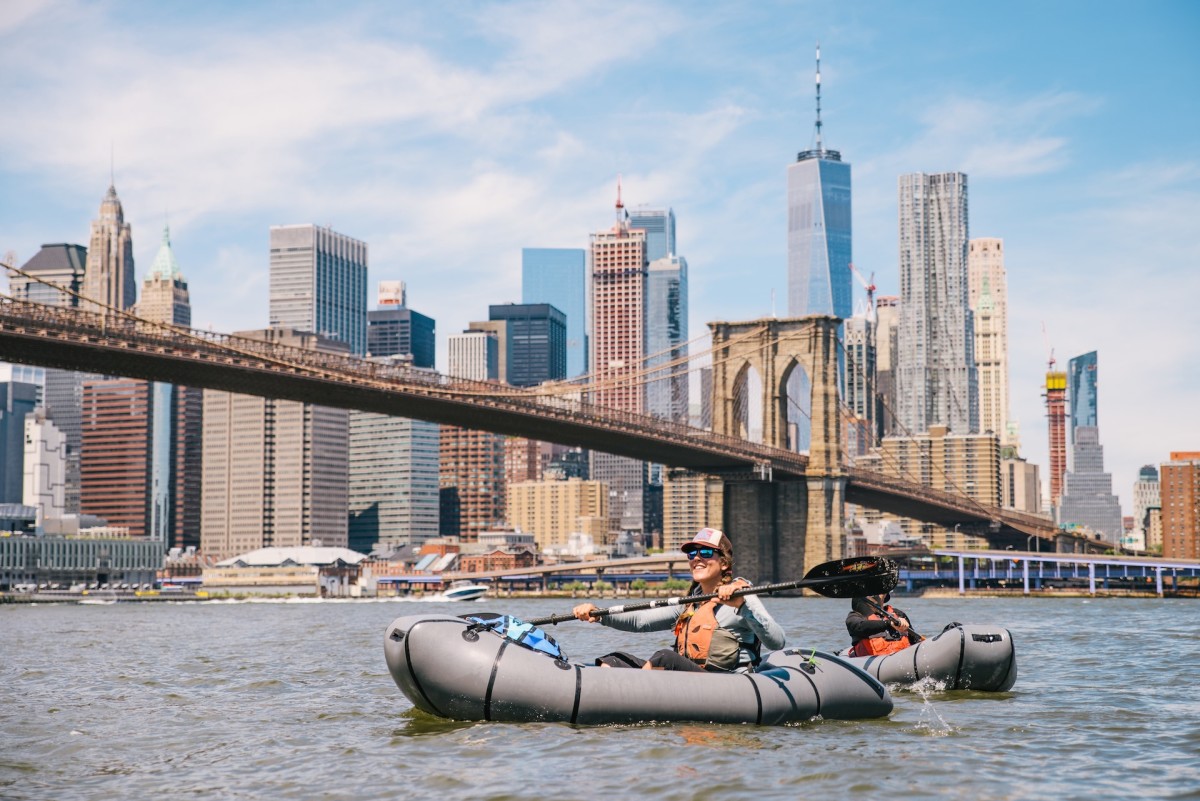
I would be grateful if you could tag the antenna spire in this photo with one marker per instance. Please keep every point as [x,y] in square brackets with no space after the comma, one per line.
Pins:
[621,218]
[820,148]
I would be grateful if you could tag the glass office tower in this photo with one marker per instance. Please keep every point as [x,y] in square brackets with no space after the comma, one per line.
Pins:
[819,254]
[318,283]
[558,276]
[1081,392]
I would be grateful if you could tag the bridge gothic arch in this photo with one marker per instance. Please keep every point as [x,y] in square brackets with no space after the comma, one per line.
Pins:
[787,526]
[774,348]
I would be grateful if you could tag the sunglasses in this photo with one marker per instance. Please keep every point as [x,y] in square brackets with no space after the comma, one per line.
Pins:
[703,553]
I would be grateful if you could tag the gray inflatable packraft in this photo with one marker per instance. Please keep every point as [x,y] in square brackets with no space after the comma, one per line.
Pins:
[451,670]
[962,657]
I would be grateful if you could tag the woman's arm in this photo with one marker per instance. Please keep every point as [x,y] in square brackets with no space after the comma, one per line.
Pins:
[645,620]
[756,616]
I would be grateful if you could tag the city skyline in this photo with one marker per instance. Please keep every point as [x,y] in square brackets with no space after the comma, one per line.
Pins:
[450,140]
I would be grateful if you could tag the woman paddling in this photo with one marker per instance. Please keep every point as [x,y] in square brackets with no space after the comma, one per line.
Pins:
[723,634]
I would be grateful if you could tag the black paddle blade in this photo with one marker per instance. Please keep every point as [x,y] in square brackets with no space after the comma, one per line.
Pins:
[854,578]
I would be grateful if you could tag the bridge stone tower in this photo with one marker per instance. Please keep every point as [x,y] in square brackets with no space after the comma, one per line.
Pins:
[782,528]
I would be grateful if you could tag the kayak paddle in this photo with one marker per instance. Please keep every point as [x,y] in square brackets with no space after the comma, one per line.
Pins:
[842,578]
[892,617]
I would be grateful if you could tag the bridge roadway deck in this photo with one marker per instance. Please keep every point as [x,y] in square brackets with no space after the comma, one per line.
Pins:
[74,339]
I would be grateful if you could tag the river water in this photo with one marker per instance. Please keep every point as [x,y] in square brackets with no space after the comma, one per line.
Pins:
[292,700]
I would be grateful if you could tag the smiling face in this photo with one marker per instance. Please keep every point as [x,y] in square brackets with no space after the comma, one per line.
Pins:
[707,570]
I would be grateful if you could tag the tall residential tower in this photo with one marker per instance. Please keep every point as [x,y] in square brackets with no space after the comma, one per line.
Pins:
[988,299]
[936,379]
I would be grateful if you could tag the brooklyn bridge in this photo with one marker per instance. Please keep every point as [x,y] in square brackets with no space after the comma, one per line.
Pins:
[784,510]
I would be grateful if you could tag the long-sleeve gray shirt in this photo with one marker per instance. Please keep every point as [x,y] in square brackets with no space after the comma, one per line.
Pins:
[749,622]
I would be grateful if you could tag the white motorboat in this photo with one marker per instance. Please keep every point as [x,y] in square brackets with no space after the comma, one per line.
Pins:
[464,591]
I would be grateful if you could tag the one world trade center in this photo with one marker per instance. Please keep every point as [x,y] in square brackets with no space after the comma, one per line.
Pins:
[819,280]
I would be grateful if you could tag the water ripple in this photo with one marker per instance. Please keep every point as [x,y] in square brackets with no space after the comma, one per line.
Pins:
[293,701]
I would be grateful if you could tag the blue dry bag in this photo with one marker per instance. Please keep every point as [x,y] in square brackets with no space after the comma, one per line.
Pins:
[520,632]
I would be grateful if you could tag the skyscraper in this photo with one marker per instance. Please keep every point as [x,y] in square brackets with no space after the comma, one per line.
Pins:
[1146,496]
[1056,423]
[396,330]
[60,264]
[319,283]
[275,471]
[176,425]
[667,338]
[471,482]
[1081,393]
[988,299]
[860,395]
[619,313]
[45,467]
[164,291]
[558,276]
[887,327]
[936,379]
[394,471]
[819,254]
[116,458]
[394,461]
[18,399]
[819,228]
[109,279]
[535,342]
[1087,497]
[659,225]
[618,342]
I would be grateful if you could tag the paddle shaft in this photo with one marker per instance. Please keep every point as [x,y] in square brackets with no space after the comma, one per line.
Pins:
[658,603]
[891,617]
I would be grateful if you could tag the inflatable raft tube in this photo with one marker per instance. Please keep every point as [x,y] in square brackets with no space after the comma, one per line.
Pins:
[962,657]
[450,669]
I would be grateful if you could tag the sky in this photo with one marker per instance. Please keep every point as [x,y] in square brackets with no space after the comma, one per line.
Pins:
[450,136]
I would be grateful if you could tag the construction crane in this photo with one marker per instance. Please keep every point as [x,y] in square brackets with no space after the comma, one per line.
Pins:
[1049,349]
[869,286]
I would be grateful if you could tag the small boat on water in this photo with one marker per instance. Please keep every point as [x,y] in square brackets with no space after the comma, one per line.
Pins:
[459,669]
[464,591]
[962,657]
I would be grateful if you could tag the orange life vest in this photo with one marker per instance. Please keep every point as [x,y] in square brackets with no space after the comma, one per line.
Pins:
[694,631]
[879,645]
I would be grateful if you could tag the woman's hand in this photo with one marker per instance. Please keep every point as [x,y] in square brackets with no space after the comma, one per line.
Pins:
[725,593]
[584,612]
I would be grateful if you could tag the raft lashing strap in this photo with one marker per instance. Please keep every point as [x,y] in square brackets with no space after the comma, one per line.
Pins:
[518,631]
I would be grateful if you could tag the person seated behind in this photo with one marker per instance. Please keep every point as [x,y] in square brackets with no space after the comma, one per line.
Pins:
[877,628]
[723,634]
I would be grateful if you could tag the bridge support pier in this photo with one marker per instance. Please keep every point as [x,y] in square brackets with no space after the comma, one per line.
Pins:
[766,521]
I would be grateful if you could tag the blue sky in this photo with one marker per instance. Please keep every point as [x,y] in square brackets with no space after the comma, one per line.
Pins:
[448,138]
